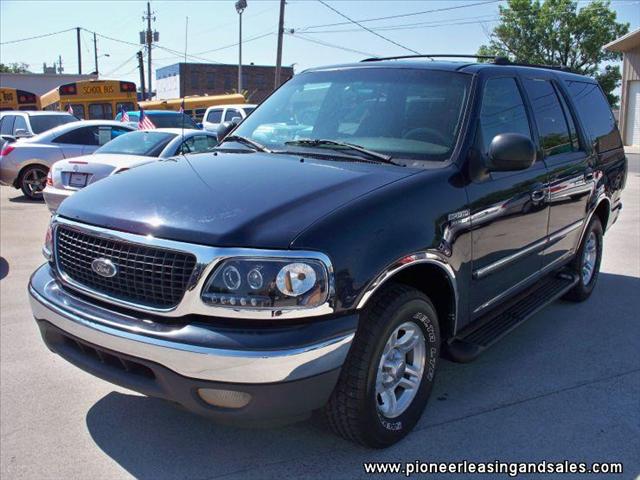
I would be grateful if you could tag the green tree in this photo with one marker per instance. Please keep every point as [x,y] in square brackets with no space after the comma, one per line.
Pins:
[555,32]
[14,68]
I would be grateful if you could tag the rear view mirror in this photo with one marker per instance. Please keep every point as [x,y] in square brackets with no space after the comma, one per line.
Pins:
[509,152]
[223,130]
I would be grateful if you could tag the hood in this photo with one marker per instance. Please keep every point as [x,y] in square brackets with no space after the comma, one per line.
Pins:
[255,200]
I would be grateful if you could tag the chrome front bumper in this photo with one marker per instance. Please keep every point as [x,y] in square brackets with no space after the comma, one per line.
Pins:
[192,350]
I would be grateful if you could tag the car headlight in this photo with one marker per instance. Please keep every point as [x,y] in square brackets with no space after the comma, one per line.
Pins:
[47,248]
[267,283]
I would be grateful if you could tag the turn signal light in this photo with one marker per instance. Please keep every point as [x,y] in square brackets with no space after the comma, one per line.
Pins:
[49,179]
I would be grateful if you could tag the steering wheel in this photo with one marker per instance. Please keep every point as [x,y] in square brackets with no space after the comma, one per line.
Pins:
[426,134]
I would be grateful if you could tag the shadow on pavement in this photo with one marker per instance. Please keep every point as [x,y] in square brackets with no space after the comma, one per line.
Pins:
[4,268]
[556,351]
[24,199]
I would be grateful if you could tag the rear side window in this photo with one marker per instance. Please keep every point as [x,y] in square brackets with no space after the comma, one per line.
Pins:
[553,129]
[502,111]
[79,136]
[595,114]
[214,116]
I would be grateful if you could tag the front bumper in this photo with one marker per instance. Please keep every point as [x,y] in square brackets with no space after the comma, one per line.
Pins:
[288,371]
[53,197]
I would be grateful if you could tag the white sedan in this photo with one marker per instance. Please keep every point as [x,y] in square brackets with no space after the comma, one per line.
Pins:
[122,153]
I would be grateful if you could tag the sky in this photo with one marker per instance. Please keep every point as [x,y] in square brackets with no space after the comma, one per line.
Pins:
[211,31]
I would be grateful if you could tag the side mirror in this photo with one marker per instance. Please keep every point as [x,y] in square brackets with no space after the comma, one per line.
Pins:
[236,120]
[509,152]
[223,130]
[21,133]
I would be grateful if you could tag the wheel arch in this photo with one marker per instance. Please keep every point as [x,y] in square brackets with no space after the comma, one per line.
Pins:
[26,165]
[429,274]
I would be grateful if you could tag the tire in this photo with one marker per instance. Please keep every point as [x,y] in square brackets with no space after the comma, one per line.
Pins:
[587,281]
[355,408]
[33,180]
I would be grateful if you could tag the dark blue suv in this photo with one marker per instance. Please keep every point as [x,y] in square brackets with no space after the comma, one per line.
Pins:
[364,221]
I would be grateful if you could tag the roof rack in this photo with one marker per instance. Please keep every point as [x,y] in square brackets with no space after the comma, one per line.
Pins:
[496,60]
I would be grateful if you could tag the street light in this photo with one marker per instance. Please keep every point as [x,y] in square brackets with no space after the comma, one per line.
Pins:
[240,6]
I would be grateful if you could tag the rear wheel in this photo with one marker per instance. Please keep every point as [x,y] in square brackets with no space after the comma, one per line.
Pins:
[387,378]
[33,180]
[586,264]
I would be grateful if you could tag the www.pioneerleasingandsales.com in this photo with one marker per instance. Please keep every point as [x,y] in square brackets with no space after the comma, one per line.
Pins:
[512,469]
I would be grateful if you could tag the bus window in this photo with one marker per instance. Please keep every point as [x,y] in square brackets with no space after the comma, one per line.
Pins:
[128,107]
[78,110]
[100,111]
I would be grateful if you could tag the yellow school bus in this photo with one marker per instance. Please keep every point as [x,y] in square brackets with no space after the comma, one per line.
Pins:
[14,99]
[195,105]
[92,99]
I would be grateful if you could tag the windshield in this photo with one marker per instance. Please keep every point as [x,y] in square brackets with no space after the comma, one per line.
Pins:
[172,120]
[42,123]
[147,143]
[405,113]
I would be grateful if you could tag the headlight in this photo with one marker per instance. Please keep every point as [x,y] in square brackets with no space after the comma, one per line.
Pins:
[269,283]
[47,248]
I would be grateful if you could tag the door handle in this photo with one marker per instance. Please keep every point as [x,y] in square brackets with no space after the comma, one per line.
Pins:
[538,195]
[589,175]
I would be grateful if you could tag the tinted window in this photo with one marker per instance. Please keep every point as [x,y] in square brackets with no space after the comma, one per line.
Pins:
[198,144]
[595,114]
[42,123]
[407,113]
[79,136]
[214,116]
[172,120]
[549,116]
[502,111]
[6,127]
[230,114]
[20,124]
[148,143]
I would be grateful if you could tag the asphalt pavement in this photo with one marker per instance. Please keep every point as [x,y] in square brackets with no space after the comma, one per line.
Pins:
[564,386]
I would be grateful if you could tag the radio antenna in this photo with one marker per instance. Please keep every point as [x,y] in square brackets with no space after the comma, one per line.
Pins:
[186,37]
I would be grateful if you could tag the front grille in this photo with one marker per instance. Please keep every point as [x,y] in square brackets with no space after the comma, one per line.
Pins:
[147,276]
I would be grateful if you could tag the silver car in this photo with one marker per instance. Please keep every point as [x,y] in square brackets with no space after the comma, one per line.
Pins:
[123,153]
[24,164]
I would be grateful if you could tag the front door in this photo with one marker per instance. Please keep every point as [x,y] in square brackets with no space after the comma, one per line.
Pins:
[509,211]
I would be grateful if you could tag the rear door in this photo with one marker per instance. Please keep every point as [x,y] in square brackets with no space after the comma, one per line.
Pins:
[509,212]
[570,166]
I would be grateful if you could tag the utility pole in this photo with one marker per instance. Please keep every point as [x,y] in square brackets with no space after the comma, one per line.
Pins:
[79,51]
[280,38]
[141,67]
[60,69]
[149,37]
[240,6]
[95,52]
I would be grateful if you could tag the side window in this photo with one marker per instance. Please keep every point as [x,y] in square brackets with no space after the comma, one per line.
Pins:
[79,136]
[201,143]
[549,116]
[20,124]
[6,127]
[502,111]
[186,147]
[230,114]
[575,141]
[595,114]
[214,116]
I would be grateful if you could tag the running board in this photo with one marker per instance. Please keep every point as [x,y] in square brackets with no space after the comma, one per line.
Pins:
[487,330]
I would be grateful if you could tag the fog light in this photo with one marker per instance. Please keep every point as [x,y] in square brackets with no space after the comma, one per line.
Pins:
[224,398]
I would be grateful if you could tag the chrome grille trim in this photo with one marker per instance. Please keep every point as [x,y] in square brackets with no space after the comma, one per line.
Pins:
[206,260]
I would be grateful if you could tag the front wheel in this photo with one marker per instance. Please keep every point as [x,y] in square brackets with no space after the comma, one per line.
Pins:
[586,264]
[389,373]
[33,180]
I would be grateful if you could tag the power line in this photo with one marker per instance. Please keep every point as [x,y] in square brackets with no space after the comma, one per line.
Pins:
[368,29]
[402,15]
[332,45]
[122,65]
[37,36]
[251,39]
[416,26]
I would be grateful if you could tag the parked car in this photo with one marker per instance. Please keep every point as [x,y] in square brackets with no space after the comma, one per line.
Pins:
[325,261]
[122,153]
[25,164]
[162,119]
[214,116]
[24,124]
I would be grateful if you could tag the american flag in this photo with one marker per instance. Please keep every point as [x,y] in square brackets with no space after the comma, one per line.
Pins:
[125,116]
[144,122]
[70,109]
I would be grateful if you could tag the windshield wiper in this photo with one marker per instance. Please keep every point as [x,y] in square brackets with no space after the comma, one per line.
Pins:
[312,142]
[245,141]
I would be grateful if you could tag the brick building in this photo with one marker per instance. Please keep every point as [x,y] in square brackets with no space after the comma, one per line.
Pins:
[182,79]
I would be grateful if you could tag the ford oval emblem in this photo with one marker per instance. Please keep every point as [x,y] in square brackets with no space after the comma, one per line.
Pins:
[104,267]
